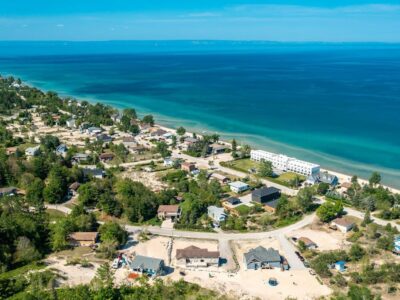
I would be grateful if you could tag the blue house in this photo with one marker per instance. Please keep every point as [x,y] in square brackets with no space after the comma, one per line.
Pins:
[148,265]
[61,149]
[261,258]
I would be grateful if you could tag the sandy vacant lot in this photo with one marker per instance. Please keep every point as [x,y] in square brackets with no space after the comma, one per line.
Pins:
[326,241]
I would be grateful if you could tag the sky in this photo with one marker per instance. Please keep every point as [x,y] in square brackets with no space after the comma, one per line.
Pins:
[279,20]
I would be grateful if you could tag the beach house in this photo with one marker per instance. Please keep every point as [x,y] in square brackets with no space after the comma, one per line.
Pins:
[93,172]
[106,157]
[220,178]
[238,186]
[62,150]
[285,163]
[309,244]
[32,151]
[188,167]
[193,256]
[71,123]
[79,158]
[265,194]
[261,258]
[148,265]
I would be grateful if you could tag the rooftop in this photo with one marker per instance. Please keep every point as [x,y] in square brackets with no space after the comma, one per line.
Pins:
[238,184]
[266,191]
[168,209]
[342,222]
[83,236]
[195,252]
[262,254]
[145,262]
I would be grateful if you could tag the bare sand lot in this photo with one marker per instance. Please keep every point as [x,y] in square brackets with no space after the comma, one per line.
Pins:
[325,240]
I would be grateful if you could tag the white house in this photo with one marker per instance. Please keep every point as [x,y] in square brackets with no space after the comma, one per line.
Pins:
[238,186]
[168,162]
[32,151]
[193,256]
[286,163]
[217,214]
[343,224]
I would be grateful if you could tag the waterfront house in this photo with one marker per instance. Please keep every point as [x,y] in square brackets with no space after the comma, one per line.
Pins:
[86,239]
[220,178]
[285,163]
[261,258]
[217,148]
[265,194]
[343,224]
[8,191]
[324,177]
[309,244]
[116,118]
[193,256]
[172,212]
[79,158]
[148,265]
[106,157]
[32,151]
[62,150]
[217,214]
[238,186]
[71,123]
[188,167]
[158,133]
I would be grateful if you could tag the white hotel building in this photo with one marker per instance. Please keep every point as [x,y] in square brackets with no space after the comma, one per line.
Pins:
[285,163]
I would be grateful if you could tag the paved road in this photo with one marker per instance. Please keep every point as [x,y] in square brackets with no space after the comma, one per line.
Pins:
[289,249]
[204,163]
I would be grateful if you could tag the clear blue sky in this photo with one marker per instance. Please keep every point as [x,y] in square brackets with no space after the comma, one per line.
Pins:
[279,20]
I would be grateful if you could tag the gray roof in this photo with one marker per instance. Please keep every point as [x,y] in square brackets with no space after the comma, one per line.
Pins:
[145,262]
[261,254]
[265,191]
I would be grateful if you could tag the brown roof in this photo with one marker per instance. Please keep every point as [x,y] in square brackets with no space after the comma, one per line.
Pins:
[83,236]
[306,241]
[168,209]
[74,186]
[342,222]
[11,150]
[187,164]
[128,139]
[195,252]
[106,155]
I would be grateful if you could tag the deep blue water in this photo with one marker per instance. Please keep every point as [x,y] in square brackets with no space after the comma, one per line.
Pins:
[337,105]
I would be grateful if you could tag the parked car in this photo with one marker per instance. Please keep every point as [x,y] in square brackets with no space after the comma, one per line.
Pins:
[306,264]
[312,272]
[299,255]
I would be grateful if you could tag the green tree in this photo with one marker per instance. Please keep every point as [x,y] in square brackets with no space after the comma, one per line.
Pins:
[305,199]
[104,277]
[34,192]
[56,188]
[356,252]
[322,188]
[162,148]
[265,169]
[234,148]
[375,179]
[329,210]
[367,219]
[113,232]
[148,119]
[25,251]
[181,131]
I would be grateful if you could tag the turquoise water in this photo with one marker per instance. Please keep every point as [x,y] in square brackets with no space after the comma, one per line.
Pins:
[337,105]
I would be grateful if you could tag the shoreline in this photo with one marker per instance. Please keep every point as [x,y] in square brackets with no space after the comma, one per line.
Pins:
[343,176]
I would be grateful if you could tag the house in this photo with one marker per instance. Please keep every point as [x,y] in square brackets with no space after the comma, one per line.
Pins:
[167,135]
[261,258]
[217,214]
[188,141]
[188,167]
[168,162]
[220,178]
[93,172]
[169,212]
[79,239]
[94,130]
[71,123]
[148,265]
[105,138]
[343,224]
[217,148]
[230,202]
[158,132]
[32,151]
[73,188]
[397,244]
[61,150]
[104,157]
[116,118]
[265,194]
[129,142]
[340,266]
[8,191]
[79,158]
[324,177]
[309,244]
[11,150]
[238,186]
[193,256]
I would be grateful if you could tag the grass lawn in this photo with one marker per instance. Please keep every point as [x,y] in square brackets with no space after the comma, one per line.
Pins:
[243,164]
[243,210]
[23,270]
[55,215]
[75,252]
